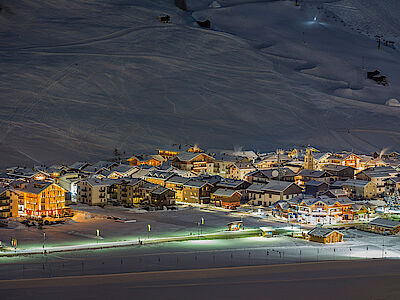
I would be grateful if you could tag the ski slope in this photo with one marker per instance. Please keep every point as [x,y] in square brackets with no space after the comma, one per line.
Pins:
[79,78]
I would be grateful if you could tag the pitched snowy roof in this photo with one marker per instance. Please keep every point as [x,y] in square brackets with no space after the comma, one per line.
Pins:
[356,182]
[313,173]
[322,232]
[315,183]
[189,156]
[176,179]
[385,223]
[272,185]
[225,193]
[160,190]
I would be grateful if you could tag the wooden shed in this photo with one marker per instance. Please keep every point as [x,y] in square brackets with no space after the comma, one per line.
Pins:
[325,235]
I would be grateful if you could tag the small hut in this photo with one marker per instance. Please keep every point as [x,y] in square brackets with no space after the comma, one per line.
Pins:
[325,235]
[235,226]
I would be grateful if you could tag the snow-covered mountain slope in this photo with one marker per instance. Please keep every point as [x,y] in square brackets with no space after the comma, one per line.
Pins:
[80,77]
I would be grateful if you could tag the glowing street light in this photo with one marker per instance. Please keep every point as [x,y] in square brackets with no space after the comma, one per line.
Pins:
[97,235]
[148,233]
[14,243]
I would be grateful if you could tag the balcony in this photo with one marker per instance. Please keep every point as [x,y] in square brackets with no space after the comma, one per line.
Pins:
[319,213]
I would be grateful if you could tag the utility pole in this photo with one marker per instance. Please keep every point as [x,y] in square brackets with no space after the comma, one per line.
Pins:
[379,41]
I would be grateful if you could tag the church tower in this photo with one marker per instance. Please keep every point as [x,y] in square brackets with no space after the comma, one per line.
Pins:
[309,160]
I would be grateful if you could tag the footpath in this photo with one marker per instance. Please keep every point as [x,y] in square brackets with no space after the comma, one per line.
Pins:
[9,251]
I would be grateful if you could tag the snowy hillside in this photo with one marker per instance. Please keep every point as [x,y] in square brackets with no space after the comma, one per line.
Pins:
[80,77]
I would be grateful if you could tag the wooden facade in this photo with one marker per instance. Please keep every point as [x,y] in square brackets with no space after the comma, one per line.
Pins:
[332,236]
[196,192]
[161,197]
[226,198]
[149,160]
[196,162]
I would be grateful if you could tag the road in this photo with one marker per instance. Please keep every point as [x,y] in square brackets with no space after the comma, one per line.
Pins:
[369,279]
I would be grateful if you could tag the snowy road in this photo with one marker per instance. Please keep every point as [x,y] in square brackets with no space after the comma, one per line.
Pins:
[357,280]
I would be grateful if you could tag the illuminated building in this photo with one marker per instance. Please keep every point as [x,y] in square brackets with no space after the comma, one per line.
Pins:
[235,226]
[122,171]
[346,159]
[321,210]
[27,174]
[196,191]
[222,163]
[360,212]
[41,198]
[379,176]
[176,183]
[316,188]
[226,198]
[306,175]
[309,160]
[94,191]
[128,191]
[382,226]
[8,203]
[196,162]
[162,196]
[266,194]
[170,152]
[325,235]
[150,160]
[339,172]
[239,171]
[360,189]
[158,177]
[262,176]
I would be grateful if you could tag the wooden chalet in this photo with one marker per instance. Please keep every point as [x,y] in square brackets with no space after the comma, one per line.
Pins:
[226,198]
[325,235]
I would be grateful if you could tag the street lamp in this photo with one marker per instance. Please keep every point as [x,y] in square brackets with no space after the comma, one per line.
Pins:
[97,235]
[148,233]
[202,223]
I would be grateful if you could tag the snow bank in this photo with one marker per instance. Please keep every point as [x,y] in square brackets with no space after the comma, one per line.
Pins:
[215,4]
[393,102]
[81,216]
